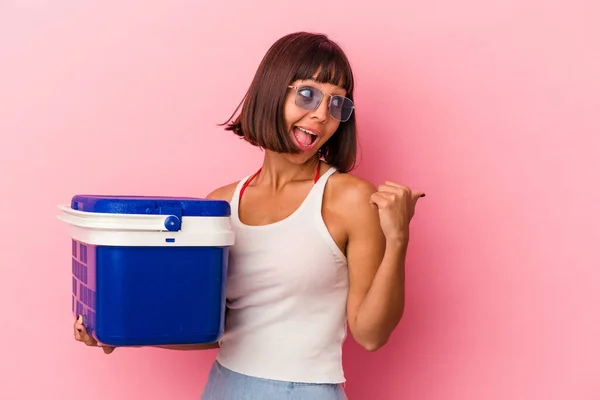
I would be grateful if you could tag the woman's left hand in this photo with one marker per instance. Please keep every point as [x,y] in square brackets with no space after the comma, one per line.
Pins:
[396,204]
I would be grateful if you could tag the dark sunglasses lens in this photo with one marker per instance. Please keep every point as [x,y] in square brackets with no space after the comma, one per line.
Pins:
[341,108]
[308,98]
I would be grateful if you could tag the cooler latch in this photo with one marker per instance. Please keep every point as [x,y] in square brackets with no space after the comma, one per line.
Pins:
[173,221]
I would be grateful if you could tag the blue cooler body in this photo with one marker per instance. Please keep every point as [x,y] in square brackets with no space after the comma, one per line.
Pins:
[149,270]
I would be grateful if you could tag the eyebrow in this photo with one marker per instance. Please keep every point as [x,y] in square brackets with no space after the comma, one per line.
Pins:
[331,94]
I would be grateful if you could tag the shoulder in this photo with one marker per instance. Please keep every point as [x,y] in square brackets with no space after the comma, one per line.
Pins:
[350,192]
[223,193]
[349,197]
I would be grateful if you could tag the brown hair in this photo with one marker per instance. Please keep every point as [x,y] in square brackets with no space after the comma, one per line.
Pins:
[296,56]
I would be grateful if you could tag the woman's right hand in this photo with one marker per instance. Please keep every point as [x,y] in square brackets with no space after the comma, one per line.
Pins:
[82,335]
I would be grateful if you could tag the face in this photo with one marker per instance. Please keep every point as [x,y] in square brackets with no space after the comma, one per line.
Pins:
[310,129]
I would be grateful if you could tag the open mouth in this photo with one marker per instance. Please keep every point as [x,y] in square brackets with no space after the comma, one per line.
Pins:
[304,138]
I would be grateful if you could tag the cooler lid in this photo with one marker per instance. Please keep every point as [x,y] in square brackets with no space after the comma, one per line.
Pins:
[151,205]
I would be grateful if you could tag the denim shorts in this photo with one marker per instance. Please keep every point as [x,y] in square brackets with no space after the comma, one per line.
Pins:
[224,384]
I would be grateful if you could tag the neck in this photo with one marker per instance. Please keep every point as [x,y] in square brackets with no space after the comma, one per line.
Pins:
[277,170]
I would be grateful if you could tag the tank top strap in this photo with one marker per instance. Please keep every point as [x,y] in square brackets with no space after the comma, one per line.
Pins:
[235,199]
[322,180]
[315,197]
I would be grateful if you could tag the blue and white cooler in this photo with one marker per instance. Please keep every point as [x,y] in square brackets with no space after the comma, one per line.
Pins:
[149,270]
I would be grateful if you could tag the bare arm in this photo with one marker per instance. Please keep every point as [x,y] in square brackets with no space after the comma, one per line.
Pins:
[376,251]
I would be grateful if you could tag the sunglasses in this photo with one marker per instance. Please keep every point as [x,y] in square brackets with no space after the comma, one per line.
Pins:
[309,98]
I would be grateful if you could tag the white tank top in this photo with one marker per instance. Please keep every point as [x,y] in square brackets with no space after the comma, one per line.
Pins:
[287,288]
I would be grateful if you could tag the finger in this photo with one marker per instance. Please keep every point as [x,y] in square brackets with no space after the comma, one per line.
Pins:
[381,196]
[382,199]
[82,334]
[79,324]
[85,338]
[373,204]
[90,341]
[108,349]
[398,189]
[78,329]
[397,185]
[390,186]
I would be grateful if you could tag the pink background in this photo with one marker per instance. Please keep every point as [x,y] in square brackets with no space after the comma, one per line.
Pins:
[490,107]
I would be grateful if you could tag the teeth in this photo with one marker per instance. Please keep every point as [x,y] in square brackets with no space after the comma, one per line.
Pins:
[307,131]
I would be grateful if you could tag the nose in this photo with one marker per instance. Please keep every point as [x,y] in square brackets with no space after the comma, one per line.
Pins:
[322,112]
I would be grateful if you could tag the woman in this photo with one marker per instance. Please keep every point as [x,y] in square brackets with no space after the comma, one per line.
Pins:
[316,248]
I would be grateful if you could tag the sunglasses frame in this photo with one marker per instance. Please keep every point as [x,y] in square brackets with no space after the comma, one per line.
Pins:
[323,95]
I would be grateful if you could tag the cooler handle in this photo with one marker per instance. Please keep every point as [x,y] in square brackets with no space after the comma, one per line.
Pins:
[133,222]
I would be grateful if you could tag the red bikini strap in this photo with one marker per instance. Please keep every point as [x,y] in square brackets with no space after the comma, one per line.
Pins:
[243,189]
[248,182]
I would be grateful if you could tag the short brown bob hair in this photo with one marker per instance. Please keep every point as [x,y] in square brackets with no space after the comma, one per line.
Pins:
[296,56]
